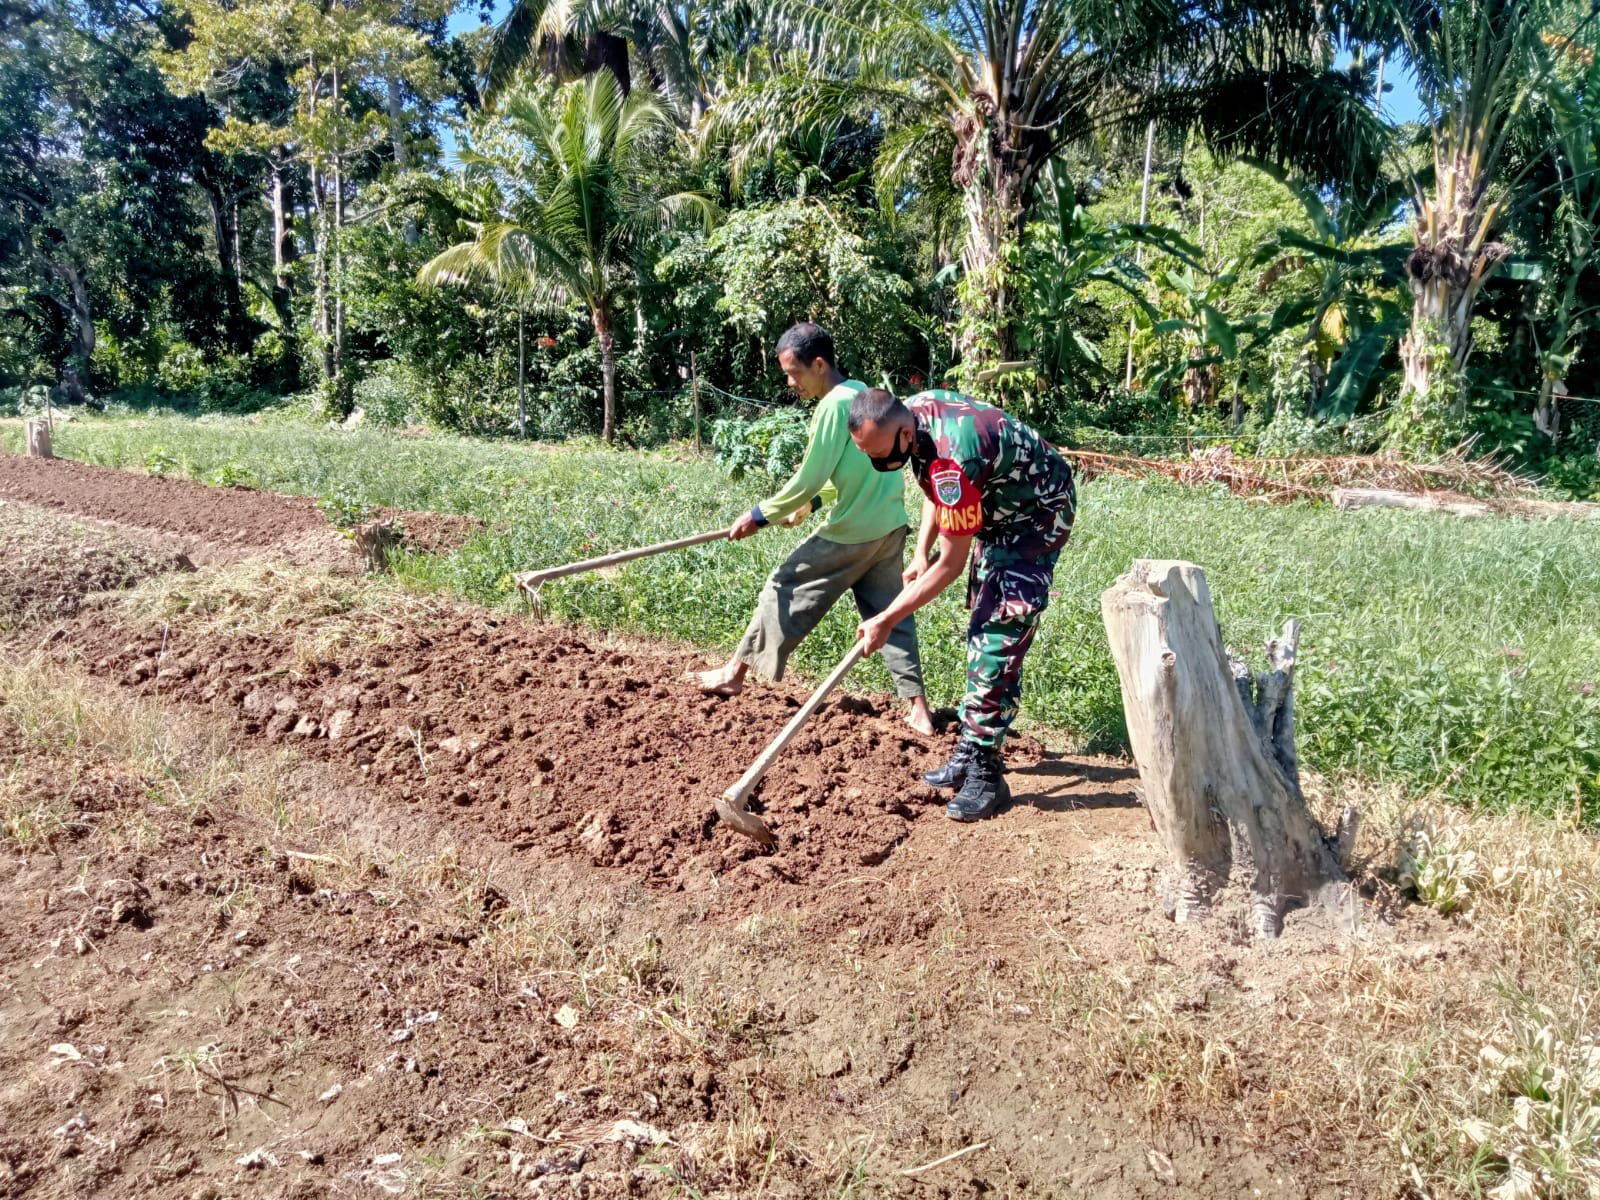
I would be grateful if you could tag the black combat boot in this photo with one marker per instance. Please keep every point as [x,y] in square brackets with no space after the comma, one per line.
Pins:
[983,790]
[953,772]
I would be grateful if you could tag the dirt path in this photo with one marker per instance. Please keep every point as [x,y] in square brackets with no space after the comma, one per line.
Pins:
[316,895]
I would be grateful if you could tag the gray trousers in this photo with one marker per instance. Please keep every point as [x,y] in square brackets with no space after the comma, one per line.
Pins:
[809,582]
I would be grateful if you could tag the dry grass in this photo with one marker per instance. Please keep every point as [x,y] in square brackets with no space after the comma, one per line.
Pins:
[1475,1052]
[258,597]
[1314,477]
[56,715]
[332,609]
[1506,1090]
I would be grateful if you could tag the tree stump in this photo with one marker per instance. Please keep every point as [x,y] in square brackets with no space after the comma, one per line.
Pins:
[375,539]
[39,440]
[1215,749]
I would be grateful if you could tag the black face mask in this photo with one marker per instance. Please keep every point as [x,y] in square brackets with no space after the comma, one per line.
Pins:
[920,443]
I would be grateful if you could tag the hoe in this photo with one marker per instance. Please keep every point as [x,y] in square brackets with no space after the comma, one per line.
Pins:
[531,581]
[731,805]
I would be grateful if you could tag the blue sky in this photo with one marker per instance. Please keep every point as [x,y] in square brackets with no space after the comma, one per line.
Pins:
[1401,103]
[1400,100]
[466,18]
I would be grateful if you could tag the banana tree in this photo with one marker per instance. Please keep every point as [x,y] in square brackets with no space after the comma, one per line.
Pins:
[1348,281]
[1065,253]
[1193,302]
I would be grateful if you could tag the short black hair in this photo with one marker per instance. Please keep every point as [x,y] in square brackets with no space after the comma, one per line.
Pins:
[875,406]
[808,342]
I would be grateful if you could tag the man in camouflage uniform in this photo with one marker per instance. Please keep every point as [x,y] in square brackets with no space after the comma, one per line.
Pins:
[991,480]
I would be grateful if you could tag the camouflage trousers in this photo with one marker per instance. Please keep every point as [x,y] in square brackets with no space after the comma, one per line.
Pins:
[1008,596]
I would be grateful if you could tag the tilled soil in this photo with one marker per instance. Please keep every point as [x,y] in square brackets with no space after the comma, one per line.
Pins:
[196,1006]
[545,739]
[561,975]
[229,521]
[232,517]
[50,564]
[190,1009]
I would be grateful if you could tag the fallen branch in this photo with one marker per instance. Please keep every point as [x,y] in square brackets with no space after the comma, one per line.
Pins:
[939,1162]
[1461,506]
[1349,481]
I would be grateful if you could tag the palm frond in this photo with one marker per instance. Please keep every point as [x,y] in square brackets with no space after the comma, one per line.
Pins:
[1320,123]
[528,25]
[562,38]
[754,122]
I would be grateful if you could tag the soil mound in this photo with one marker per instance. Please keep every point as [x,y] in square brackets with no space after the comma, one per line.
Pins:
[549,739]
[233,517]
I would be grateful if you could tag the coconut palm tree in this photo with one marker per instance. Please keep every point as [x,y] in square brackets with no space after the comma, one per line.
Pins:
[682,50]
[571,202]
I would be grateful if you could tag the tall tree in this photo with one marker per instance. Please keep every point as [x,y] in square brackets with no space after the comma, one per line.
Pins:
[984,94]
[1482,66]
[343,69]
[571,205]
[96,163]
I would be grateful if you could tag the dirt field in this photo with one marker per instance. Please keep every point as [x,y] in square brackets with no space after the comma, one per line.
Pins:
[215,523]
[50,565]
[315,888]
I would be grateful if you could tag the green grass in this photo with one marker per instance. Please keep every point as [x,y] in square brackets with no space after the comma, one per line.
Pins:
[1441,653]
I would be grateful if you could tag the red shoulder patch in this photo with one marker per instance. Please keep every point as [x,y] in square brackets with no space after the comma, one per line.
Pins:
[957,503]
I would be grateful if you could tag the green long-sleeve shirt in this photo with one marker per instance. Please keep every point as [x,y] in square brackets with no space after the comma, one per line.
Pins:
[867,503]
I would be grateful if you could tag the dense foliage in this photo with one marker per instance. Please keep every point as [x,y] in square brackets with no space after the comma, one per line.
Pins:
[596,217]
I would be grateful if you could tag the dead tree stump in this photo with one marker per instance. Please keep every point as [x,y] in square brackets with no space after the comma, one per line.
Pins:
[1215,749]
[375,539]
[39,440]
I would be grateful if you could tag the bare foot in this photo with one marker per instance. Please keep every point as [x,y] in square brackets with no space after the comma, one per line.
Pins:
[918,717]
[726,681]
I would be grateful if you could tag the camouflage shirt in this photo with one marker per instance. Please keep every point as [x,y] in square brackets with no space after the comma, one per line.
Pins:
[990,476]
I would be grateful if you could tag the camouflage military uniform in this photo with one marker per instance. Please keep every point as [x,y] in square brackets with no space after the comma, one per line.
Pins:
[993,477]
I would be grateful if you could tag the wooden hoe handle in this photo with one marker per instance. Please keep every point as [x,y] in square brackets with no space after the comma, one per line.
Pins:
[532,579]
[740,792]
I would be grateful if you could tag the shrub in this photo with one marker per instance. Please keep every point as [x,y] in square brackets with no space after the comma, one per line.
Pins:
[772,444]
[231,474]
[1577,475]
[344,507]
[159,462]
[388,396]
[1289,434]
[221,384]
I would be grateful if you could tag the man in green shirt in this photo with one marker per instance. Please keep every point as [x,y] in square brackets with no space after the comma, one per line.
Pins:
[860,549]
